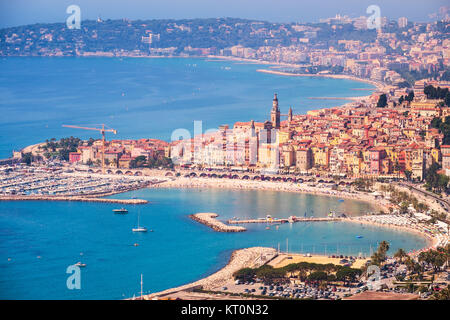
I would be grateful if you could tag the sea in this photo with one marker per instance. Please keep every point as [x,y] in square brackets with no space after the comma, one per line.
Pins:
[145,98]
[149,98]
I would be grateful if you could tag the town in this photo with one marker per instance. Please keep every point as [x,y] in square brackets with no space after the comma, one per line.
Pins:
[397,52]
[403,139]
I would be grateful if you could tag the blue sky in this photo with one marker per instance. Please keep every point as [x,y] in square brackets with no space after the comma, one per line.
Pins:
[19,12]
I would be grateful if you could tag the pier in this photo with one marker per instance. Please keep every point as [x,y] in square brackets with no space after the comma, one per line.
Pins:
[291,219]
[209,219]
[68,198]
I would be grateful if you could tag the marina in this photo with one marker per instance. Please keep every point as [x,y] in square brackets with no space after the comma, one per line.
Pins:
[45,183]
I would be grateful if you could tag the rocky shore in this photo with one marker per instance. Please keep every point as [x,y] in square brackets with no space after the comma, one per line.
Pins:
[209,219]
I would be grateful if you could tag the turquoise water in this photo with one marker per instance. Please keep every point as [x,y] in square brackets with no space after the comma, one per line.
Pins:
[177,252]
[144,98]
[150,98]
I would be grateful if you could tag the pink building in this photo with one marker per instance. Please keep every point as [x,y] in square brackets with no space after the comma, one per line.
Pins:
[74,157]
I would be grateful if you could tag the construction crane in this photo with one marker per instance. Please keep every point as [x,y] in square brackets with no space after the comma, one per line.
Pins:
[102,130]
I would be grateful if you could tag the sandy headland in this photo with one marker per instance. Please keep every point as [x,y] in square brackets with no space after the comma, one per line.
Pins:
[243,258]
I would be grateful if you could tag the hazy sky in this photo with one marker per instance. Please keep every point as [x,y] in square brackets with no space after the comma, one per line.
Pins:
[19,12]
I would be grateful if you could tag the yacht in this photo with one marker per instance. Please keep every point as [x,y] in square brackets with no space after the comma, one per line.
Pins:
[139,228]
[121,210]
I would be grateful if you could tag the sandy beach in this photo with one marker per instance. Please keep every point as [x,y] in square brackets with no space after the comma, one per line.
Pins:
[404,224]
[378,85]
[201,183]
[398,222]
[284,259]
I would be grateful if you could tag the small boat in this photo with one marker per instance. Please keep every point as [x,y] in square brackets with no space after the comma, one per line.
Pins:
[80,264]
[121,210]
[139,228]
[359,237]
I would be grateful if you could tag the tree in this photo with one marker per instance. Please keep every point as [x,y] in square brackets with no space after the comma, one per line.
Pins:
[408,174]
[318,276]
[434,181]
[380,255]
[138,162]
[245,274]
[410,96]
[27,158]
[400,254]
[347,274]
[382,101]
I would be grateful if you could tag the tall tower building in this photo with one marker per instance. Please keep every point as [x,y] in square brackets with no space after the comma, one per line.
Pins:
[275,113]
[402,22]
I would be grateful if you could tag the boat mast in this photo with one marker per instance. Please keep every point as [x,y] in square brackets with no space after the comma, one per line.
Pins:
[142,286]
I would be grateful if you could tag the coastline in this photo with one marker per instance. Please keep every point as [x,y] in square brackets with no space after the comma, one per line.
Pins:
[378,85]
[242,258]
[432,241]
[200,183]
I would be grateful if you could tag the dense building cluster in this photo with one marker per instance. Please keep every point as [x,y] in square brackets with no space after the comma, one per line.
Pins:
[397,52]
[358,140]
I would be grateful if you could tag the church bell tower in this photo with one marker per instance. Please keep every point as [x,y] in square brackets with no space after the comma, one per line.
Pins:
[275,113]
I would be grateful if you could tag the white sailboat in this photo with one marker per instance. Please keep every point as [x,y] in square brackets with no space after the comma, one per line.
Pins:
[139,228]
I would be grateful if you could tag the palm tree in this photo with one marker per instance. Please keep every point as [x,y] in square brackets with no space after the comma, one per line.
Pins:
[400,254]
[383,246]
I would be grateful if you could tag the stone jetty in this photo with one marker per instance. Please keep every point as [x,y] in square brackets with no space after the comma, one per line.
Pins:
[209,219]
[71,198]
[283,220]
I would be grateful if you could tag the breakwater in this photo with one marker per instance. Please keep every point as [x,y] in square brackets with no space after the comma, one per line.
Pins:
[290,219]
[73,198]
[209,219]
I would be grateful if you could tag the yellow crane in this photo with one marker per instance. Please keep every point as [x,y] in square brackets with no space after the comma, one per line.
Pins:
[102,130]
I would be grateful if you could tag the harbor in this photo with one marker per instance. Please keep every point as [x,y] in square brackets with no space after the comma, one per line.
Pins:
[20,183]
